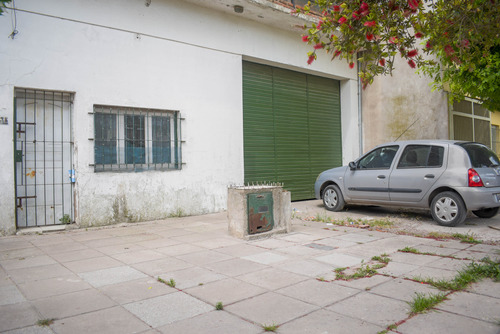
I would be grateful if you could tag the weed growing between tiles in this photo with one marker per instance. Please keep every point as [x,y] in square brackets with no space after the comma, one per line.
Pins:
[170,282]
[422,303]
[270,328]
[387,225]
[473,272]
[45,322]
[466,238]
[348,221]
[416,251]
[365,270]
[391,327]
[469,238]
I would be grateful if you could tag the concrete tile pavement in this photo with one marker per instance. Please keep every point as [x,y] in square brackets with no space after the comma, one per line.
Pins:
[105,280]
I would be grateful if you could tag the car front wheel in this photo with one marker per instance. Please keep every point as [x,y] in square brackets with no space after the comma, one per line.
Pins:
[333,199]
[486,213]
[448,209]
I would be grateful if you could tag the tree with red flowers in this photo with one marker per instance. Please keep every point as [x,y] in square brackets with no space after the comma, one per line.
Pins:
[455,42]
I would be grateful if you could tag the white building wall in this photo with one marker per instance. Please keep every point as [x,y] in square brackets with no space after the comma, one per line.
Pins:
[171,55]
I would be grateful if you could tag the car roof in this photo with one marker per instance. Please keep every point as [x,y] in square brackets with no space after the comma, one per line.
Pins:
[424,142]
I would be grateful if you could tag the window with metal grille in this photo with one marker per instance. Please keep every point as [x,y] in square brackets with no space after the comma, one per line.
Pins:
[135,139]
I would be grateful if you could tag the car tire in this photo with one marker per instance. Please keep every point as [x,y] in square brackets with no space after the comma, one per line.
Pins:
[486,213]
[333,199]
[448,209]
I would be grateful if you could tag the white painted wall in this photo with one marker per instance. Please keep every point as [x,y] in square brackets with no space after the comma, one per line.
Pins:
[172,55]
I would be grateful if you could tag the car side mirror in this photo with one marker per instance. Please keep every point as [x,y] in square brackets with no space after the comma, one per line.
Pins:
[352,165]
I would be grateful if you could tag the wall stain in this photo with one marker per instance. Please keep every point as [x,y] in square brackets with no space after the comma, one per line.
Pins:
[401,117]
[120,209]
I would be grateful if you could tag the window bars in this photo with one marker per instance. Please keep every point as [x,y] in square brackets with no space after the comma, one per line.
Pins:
[136,139]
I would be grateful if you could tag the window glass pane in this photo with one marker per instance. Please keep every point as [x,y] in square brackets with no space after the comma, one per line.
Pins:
[482,132]
[495,138]
[479,110]
[480,156]
[414,156]
[105,138]
[436,155]
[462,128]
[380,158]
[161,140]
[135,152]
[463,106]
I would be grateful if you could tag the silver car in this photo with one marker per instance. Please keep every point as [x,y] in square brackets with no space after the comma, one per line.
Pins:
[448,177]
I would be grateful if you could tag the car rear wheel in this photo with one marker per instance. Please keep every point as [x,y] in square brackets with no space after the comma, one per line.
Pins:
[448,209]
[486,213]
[333,199]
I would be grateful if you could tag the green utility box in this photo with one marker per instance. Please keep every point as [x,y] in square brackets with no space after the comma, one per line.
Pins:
[260,212]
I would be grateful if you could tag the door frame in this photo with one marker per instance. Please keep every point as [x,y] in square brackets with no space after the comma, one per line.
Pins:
[38,106]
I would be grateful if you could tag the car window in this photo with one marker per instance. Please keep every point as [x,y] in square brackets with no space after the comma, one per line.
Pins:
[421,156]
[480,155]
[380,158]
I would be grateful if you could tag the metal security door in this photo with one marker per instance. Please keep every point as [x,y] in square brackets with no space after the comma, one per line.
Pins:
[291,127]
[43,157]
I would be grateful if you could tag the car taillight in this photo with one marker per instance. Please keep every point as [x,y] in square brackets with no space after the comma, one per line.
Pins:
[475,179]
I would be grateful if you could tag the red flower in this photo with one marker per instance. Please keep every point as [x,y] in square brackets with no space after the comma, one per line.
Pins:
[336,54]
[393,40]
[319,46]
[369,37]
[336,8]
[412,53]
[342,20]
[465,43]
[364,6]
[428,45]
[351,65]
[305,38]
[449,50]
[413,4]
[318,26]
[419,35]
[370,24]
[411,63]
[382,62]
[355,15]
[311,59]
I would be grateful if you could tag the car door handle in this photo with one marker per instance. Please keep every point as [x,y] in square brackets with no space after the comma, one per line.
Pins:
[429,176]
[381,177]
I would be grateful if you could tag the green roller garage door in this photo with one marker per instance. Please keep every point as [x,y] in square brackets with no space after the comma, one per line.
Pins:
[292,128]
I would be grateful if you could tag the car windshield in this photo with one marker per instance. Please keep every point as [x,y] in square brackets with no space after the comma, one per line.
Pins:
[480,155]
